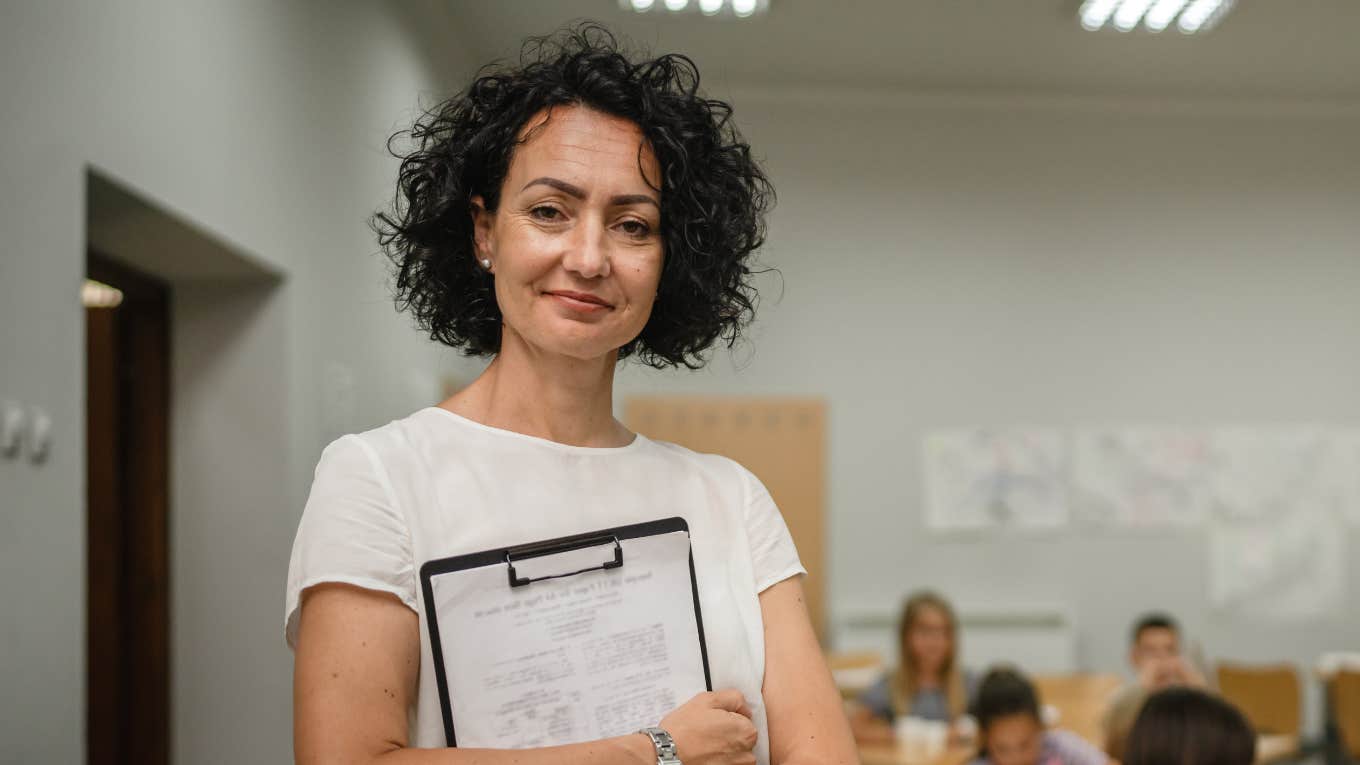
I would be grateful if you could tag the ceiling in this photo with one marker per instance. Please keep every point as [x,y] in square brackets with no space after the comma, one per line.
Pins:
[1263,49]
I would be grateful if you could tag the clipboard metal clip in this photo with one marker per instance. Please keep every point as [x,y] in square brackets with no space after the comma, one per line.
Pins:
[578,543]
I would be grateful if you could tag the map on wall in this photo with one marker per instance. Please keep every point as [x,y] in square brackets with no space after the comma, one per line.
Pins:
[995,478]
[1141,477]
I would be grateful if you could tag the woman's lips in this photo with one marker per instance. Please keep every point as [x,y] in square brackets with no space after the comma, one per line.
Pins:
[579,301]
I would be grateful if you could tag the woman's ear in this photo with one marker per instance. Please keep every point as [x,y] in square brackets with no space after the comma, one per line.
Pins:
[483,241]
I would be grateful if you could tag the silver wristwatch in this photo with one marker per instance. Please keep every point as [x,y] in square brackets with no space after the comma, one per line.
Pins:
[665,746]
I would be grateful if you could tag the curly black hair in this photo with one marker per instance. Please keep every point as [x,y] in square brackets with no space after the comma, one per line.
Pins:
[714,195]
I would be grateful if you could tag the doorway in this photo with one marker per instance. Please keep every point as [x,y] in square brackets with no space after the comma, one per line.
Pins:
[127,352]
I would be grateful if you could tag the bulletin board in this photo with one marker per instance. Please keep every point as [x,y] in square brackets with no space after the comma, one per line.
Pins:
[781,440]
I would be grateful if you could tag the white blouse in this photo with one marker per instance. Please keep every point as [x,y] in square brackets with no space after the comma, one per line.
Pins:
[435,484]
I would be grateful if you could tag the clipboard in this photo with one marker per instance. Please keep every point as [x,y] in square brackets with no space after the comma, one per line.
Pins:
[592,556]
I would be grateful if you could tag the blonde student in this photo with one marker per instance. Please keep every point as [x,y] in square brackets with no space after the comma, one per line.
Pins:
[927,683]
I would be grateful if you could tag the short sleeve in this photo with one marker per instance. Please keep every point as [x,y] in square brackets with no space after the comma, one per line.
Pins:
[774,557]
[351,531]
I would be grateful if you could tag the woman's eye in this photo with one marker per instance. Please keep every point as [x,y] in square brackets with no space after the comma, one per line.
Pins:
[635,228]
[544,212]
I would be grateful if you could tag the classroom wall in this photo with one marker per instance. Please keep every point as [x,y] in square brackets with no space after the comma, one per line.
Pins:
[944,261]
[262,124]
[968,260]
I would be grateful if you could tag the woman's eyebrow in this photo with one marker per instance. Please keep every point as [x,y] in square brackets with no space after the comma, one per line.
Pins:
[580,193]
[562,186]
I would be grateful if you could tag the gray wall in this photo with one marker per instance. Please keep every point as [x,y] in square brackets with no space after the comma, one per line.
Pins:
[954,261]
[262,123]
[945,261]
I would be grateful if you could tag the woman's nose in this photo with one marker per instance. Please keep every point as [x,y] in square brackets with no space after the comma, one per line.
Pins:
[589,252]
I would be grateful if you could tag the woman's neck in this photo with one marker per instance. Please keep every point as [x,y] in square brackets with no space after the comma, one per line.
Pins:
[930,680]
[559,398]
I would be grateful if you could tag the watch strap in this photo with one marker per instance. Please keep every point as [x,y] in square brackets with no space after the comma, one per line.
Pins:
[664,744]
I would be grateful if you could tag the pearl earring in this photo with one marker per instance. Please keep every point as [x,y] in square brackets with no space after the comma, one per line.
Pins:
[486,263]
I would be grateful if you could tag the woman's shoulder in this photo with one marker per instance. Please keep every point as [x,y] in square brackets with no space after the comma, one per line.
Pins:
[716,469]
[384,451]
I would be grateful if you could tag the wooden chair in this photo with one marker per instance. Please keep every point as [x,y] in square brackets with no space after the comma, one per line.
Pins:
[1080,699]
[1269,695]
[1345,692]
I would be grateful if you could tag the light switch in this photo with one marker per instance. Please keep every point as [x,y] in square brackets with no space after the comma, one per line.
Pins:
[39,436]
[11,428]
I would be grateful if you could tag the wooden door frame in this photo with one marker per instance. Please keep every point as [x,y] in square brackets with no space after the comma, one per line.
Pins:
[128,503]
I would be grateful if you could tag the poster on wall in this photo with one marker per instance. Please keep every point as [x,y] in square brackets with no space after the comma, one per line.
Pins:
[1350,448]
[981,479]
[1282,568]
[1141,477]
[1261,473]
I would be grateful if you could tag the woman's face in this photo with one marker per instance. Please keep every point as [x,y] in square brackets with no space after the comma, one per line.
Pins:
[1015,740]
[575,244]
[930,640]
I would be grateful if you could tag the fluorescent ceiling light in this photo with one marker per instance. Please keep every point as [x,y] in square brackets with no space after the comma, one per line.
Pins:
[1161,15]
[1202,15]
[1190,16]
[1129,13]
[727,8]
[95,294]
[1094,13]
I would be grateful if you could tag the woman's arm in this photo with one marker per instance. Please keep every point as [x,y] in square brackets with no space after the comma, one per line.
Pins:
[355,675]
[807,722]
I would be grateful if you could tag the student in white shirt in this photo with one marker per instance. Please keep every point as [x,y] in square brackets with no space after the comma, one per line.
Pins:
[559,215]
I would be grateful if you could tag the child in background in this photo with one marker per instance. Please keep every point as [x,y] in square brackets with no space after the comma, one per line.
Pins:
[1011,731]
[1157,659]
[1186,726]
[928,682]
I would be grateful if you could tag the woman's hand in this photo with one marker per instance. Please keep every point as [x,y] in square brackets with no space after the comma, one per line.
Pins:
[713,729]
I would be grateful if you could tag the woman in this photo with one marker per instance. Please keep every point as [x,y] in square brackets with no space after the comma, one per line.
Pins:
[1187,726]
[557,216]
[928,683]
[1011,730]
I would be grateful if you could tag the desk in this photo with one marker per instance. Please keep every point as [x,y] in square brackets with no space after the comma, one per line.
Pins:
[1274,748]
[1269,749]
[888,754]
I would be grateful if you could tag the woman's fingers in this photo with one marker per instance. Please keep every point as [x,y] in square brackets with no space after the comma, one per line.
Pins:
[731,700]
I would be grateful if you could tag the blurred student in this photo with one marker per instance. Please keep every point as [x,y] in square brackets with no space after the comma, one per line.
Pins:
[1011,731]
[1186,726]
[1158,663]
[927,683]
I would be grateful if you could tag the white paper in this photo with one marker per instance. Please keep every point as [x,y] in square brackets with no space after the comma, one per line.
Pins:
[982,479]
[1142,477]
[574,659]
[1285,568]
[1265,473]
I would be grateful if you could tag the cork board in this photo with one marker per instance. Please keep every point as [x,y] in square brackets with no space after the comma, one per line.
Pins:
[781,440]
